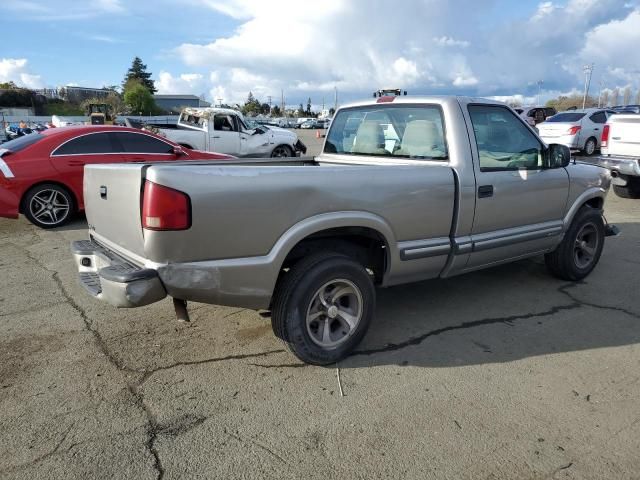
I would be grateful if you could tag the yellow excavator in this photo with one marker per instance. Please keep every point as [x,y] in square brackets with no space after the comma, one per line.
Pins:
[99,114]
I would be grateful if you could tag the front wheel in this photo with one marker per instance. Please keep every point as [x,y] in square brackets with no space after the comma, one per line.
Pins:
[48,205]
[580,249]
[282,151]
[323,307]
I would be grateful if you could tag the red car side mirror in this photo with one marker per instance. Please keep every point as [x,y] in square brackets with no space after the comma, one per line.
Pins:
[178,151]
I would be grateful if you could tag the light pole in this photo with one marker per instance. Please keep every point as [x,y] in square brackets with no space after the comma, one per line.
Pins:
[600,93]
[588,71]
[540,82]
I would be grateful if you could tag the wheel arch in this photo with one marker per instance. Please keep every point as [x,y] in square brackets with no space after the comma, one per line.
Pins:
[594,198]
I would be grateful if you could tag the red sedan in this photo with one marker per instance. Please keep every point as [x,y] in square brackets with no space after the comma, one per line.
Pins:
[41,173]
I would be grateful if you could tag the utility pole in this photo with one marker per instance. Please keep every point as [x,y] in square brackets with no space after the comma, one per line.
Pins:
[219,100]
[588,71]
[282,102]
[335,106]
[269,97]
[540,82]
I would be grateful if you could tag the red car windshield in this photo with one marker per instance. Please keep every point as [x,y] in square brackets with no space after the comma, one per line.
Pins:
[21,143]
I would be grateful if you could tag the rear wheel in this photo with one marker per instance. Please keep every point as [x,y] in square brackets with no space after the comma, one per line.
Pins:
[282,151]
[590,146]
[48,205]
[579,252]
[323,307]
[630,190]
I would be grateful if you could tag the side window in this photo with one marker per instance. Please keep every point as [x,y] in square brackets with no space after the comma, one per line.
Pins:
[415,132]
[224,122]
[88,144]
[140,143]
[504,143]
[599,117]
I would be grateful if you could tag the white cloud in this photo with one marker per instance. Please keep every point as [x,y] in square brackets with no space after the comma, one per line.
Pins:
[187,83]
[445,41]
[545,9]
[465,81]
[16,70]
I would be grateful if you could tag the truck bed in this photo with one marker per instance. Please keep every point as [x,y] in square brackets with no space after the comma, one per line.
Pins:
[242,209]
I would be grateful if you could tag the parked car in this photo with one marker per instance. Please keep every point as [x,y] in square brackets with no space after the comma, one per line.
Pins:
[627,109]
[535,115]
[225,131]
[577,129]
[454,185]
[621,154]
[42,172]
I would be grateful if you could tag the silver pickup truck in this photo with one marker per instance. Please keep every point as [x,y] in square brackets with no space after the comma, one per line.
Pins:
[406,189]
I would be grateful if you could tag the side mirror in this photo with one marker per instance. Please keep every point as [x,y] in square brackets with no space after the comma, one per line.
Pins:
[558,156]
[178,151]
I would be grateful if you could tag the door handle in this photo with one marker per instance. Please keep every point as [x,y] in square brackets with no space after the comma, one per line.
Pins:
[596,129]
[218,136]
[485,191]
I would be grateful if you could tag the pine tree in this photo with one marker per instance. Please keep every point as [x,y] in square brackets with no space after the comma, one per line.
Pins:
[138,71]
[309,106]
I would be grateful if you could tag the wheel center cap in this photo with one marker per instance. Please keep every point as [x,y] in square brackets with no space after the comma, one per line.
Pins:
[50,207]
[332,311]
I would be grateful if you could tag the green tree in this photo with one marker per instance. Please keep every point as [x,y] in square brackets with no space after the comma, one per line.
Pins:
[113,101]
[138,71]
[8,86]
[252,106]
[138,98]
[332,111]
[564,102]
[265,109]
[300,110]
[275,111]
[309,106]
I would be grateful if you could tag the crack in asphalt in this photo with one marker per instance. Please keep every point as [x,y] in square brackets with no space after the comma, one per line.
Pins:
[565,288]
[508,320]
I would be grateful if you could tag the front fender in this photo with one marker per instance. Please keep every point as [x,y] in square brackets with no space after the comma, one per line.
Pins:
[590,194]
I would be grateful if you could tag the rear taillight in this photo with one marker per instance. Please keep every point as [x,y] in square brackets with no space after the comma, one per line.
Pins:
[164,208]
[604,140]
[574,130]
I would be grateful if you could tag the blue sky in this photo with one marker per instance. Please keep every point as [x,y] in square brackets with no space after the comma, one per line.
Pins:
[225,48]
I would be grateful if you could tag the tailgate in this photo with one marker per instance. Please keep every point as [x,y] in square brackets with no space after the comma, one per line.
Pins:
[112,203]
[624,136]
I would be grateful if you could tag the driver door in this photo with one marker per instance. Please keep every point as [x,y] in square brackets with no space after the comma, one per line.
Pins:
[225,137]
[519,203]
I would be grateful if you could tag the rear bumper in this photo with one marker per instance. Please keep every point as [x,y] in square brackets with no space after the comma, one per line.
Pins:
[619,165]
[113,279]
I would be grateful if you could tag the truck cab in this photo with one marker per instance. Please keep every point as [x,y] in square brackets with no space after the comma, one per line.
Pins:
[224,130]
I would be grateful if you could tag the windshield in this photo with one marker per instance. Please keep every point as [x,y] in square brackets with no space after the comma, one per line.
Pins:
[21,143]
[566,117]
[389,131]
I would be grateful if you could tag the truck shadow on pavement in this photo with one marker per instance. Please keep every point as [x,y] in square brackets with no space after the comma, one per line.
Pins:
[507,313]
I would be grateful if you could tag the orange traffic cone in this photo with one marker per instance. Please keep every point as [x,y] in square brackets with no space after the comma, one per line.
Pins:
[317,133]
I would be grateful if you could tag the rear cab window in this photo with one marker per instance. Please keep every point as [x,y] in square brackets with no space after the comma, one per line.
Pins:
[393,131]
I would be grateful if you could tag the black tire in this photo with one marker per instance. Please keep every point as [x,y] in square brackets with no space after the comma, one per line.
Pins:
[295,296]
[570,261]
[590,146]
[630,190]
[282,151]
[48,214]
